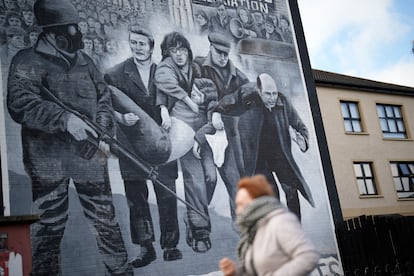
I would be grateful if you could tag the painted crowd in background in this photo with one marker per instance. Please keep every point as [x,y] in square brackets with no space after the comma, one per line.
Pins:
[127,125]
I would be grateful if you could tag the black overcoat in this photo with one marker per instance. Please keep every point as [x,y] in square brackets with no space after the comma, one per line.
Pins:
[251,111]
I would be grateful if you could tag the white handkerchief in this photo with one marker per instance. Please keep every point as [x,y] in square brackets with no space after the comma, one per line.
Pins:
[218,143]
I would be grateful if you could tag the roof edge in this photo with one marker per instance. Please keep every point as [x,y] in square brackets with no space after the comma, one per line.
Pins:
[330,79]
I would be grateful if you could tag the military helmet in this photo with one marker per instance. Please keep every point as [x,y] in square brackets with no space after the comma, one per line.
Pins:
[51,13]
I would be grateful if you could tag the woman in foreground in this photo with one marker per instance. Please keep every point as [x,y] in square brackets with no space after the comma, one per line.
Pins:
[272,241]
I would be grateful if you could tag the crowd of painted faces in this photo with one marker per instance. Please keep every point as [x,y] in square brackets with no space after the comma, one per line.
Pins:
[99,24]
[249,24]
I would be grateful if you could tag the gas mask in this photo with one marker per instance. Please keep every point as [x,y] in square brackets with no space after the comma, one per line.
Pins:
[68,37]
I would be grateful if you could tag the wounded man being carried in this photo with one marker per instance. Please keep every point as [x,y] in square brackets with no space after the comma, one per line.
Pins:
[162,144]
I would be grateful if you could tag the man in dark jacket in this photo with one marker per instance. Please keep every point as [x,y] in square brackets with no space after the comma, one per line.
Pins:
[135,77]
[228,79]
[53,137]
[265,118]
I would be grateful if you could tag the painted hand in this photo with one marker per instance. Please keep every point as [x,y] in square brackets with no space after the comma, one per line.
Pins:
[217,122]
[166,119]
[301,141]
[196,150]
[79,129]
[129,119]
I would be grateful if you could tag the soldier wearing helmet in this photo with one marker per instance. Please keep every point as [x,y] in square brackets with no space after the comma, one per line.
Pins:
[59,21]
[52,137]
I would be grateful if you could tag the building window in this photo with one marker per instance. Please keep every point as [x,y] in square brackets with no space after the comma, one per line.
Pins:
[403,174]
[391,121]
[365,178]
[350,113]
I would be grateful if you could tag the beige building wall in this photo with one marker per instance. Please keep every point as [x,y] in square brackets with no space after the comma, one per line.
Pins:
[346,148]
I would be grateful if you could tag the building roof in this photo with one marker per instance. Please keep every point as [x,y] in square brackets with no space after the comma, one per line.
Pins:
[329,79]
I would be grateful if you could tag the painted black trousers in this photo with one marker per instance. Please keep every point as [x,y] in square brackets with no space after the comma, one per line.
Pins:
[141,224]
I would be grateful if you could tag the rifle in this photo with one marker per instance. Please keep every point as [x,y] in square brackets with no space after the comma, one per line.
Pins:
[116,148]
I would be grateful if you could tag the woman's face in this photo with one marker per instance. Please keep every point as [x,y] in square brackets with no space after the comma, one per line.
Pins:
[83,26]
[28,17]
[82,14]
[111,46]
[88,45]
[17,41]
[221,10]
[114,17]
[259,18]
[97,46]
[33,37]
[243,199]
[14,21]
[284,24]
[9,4]
[269,28]
[201,20]
[91,22]
[244,17]
[179,55]
[97,26]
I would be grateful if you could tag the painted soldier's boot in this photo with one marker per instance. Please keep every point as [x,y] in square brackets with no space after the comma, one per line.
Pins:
[172,254]
[197,238]
[146,256]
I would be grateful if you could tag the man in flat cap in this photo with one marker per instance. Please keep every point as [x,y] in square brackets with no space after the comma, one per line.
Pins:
[42,80]
[228,79]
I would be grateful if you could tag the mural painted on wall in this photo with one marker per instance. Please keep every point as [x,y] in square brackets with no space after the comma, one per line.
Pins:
[128,124]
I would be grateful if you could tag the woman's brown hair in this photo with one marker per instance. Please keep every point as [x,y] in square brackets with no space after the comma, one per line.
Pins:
[256,186]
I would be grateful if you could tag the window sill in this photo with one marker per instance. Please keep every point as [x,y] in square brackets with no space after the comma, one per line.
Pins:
[370,196]
[356,133]
[397,139]
[405,199]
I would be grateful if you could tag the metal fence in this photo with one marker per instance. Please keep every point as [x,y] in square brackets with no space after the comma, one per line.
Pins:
[377,245]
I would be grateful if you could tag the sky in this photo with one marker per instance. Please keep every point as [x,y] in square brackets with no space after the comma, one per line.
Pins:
[369,39]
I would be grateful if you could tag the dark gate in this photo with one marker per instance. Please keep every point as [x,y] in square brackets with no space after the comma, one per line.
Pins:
[377,245]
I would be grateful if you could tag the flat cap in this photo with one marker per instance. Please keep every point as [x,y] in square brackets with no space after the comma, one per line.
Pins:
[219,41]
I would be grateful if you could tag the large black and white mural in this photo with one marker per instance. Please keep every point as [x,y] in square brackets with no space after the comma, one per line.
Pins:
[126,125]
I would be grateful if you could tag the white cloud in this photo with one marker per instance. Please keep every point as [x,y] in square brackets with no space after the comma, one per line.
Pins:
[325,19]
[354,36]
[400,73]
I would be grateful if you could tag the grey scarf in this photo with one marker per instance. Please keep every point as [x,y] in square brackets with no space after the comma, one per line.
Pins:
[248,219]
